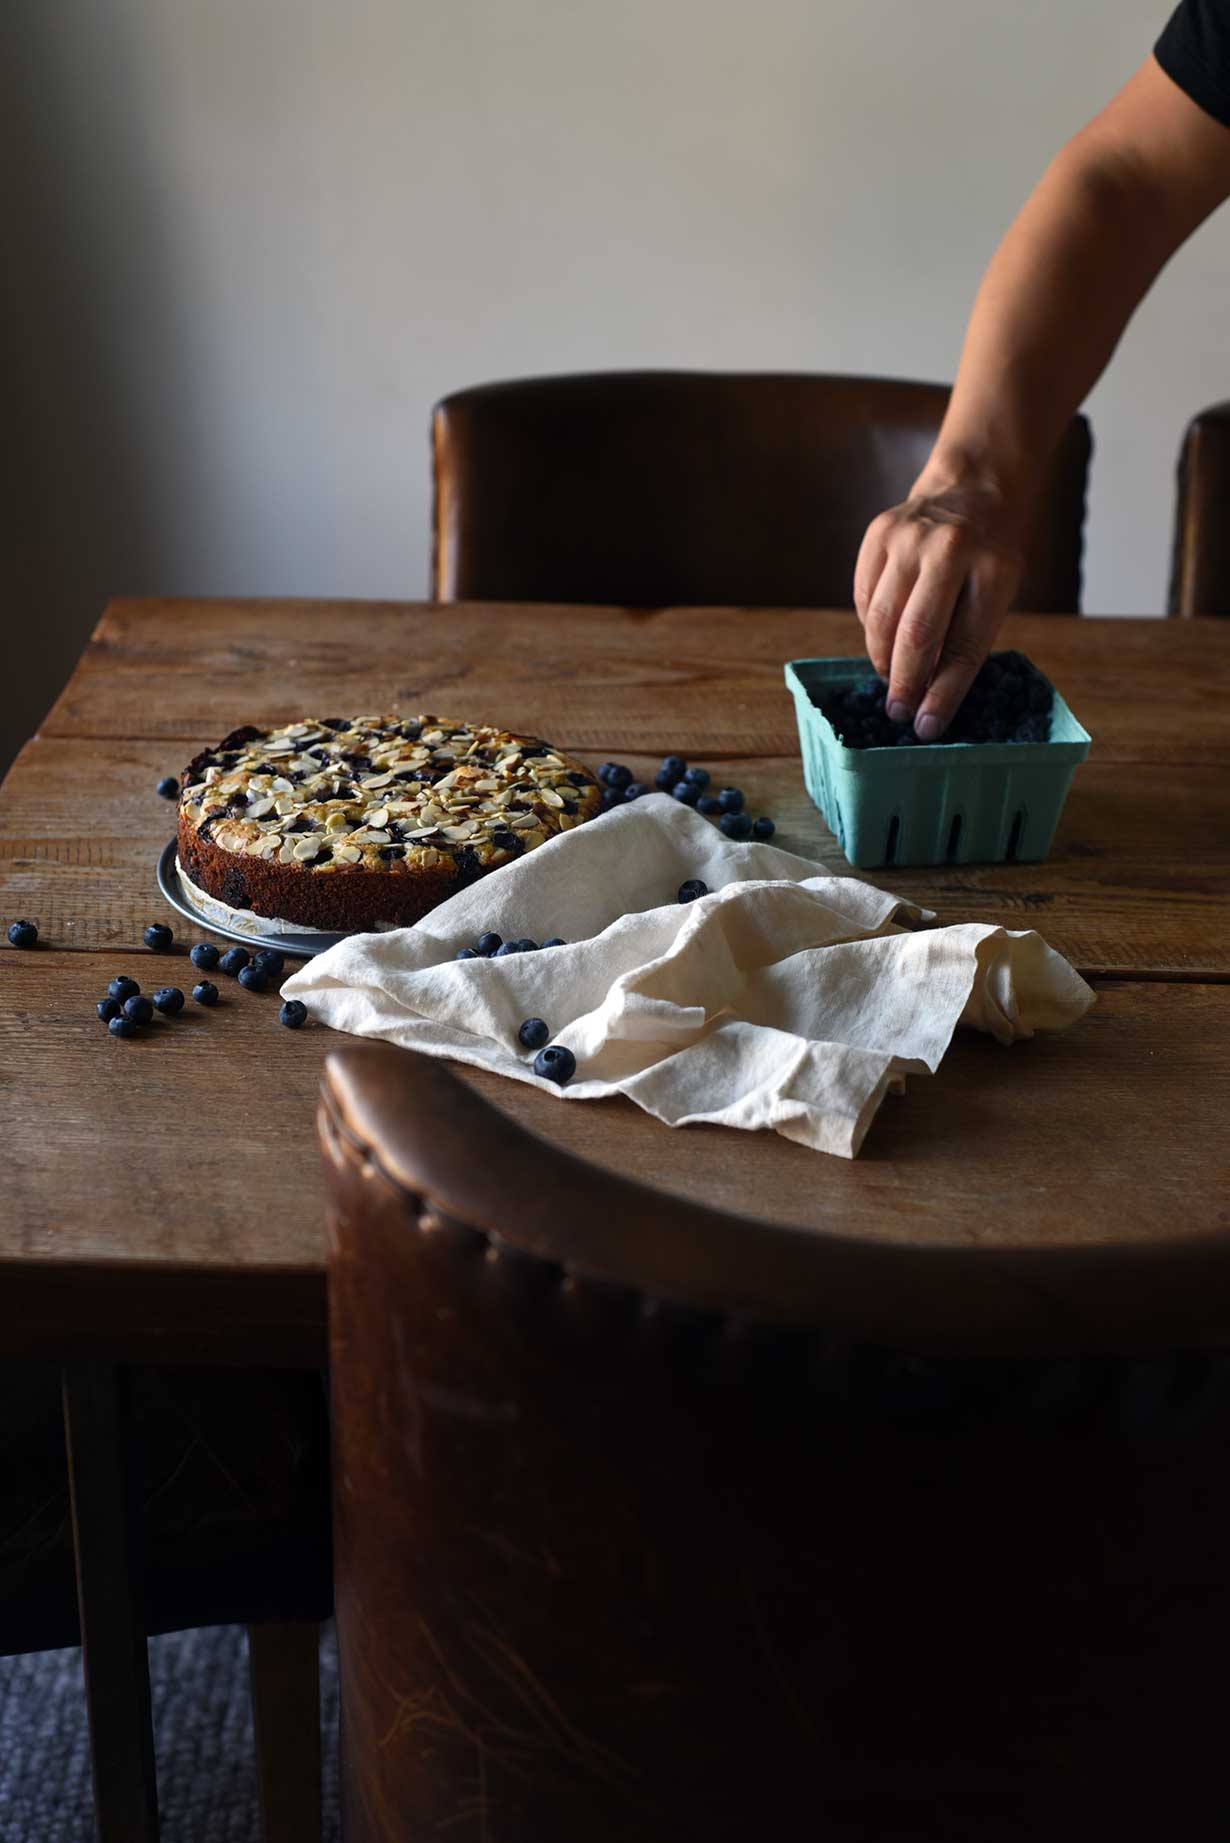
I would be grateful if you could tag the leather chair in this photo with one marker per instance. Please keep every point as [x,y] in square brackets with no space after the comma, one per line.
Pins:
[645,1532]
[228,1523]
[655,488]
[1200,564]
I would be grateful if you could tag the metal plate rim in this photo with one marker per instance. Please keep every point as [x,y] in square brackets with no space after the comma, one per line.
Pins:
[299,946]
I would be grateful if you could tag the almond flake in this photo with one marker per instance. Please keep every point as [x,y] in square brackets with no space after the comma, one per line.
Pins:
[286,806]
[370,838]
[280,785]
[378,816]
[348,854]
[462,831]
[421,832]
[549,796]
[259,808]
[192,812]
[287,854]
[522,822]
[376,780]
[306,848]
[566,822]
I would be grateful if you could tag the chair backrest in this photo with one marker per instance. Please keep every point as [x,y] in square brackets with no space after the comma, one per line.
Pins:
[1200,563]
[618,1559]
[653,488]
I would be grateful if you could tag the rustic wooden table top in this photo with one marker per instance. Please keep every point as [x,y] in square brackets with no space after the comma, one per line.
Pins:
[163,1194]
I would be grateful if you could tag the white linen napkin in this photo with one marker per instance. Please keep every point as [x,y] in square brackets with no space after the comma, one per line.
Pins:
[786,998]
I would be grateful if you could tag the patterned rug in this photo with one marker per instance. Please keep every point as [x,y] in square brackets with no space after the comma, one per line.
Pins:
[207,1791]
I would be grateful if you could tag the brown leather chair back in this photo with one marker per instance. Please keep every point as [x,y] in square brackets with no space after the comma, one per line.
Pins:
[656,488]
[622,1562]
[1200,565]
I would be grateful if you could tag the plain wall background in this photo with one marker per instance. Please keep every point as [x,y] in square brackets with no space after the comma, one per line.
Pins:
[250,242]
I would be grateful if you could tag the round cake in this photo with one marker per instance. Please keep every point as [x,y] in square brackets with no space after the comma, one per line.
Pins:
[350,824]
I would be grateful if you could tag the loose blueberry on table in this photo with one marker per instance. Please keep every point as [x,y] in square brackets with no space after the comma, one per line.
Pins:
[730,799]
[489,944]
[158,937]
[555,1064]
[763,827]
[122,987]
[205,993]
[467,953]
[533,1034]
[556,940]
[735,825]
[204,955]
[169,1000]
[692,889]
[122,1027]
[23,933]
[107,1008]
[138,1009]
[252,978]
[233,961]
[270,961]
[168,787]
[293,1013]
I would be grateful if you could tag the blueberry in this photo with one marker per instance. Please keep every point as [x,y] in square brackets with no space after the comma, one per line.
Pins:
[556,940]
[731,800]
[699,777]
[675,766]
[533,1034]
[293,1013]
[123,988]
[138,1009]
[526,945]
[555,1064]
[107,1008]
[489,943]
[253,978]
[763,828]
[466,953]
[169,1000]
[615,775]
[23,933]
[689,891]
[205,993]
[665,778]
[204,955]
[270,961]
[634,790]
[122,1027]
[687,791]
[612,796]
[506,947]
[234,960]
[168,788]
[709,803]
[735,825]
[158,936]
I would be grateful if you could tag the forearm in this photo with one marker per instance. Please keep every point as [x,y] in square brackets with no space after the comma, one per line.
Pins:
[1058,294]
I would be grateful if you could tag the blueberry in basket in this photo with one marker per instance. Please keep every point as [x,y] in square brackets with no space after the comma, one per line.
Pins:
[1008,701]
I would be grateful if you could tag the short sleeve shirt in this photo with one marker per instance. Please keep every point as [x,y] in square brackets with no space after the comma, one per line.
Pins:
[1194,51]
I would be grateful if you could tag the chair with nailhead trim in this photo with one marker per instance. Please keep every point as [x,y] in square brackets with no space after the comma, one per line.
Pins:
[678,488]
[644,1531]
[1200,560]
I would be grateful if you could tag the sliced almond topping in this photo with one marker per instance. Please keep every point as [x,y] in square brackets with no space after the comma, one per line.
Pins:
[421,832]
[376,780]
[522,822]
[287,854]
[285,805]
[259,808]
[337,823]
[347,854]
[377,816]
[211,775]
[566,822]
[550,797]
[366,837]
[306,848]
[192,812]
[281,785]
[462,831]
[485,786]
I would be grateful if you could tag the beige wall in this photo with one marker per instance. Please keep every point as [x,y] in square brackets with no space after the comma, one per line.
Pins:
[255,239]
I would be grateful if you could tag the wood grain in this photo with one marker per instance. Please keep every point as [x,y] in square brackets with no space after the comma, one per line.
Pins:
[706,681]
[163,1194]
[1138,879]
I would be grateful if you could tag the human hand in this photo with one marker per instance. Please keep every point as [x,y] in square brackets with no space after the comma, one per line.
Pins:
[932,584]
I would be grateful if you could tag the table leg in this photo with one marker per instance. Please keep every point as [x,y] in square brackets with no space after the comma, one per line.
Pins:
[106,1523]
[284,1666]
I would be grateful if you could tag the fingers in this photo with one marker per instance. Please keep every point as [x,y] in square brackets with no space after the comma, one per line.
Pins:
[924,622]
[891,594]
[974,626]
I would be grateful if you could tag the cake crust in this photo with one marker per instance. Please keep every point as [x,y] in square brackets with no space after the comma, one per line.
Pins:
[354,824]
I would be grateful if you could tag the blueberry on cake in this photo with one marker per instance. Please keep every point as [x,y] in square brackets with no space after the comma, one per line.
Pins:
[350,824]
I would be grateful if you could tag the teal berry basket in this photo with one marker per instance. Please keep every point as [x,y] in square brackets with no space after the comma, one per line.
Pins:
[942,803]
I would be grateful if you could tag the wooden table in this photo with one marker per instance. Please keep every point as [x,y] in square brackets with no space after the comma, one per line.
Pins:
[162,1194]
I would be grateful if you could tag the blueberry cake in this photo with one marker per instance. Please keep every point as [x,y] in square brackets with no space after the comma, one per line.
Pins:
[347,825]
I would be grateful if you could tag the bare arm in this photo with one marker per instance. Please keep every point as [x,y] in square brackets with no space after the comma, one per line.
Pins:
[935,575]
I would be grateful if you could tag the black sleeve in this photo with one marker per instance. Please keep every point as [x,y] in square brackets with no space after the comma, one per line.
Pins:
[1194,51]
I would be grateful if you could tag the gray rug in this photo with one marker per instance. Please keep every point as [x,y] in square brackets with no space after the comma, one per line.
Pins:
[202,1736]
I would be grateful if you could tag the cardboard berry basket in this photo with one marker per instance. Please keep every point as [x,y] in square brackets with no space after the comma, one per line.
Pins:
[938,803]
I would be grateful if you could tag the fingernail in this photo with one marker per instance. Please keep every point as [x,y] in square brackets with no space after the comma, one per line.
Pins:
[898,712]
[927,728]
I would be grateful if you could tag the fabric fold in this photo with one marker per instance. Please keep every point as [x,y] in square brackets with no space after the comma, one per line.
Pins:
[786,999]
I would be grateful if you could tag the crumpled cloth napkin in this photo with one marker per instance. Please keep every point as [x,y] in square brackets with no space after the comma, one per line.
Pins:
[786,998]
